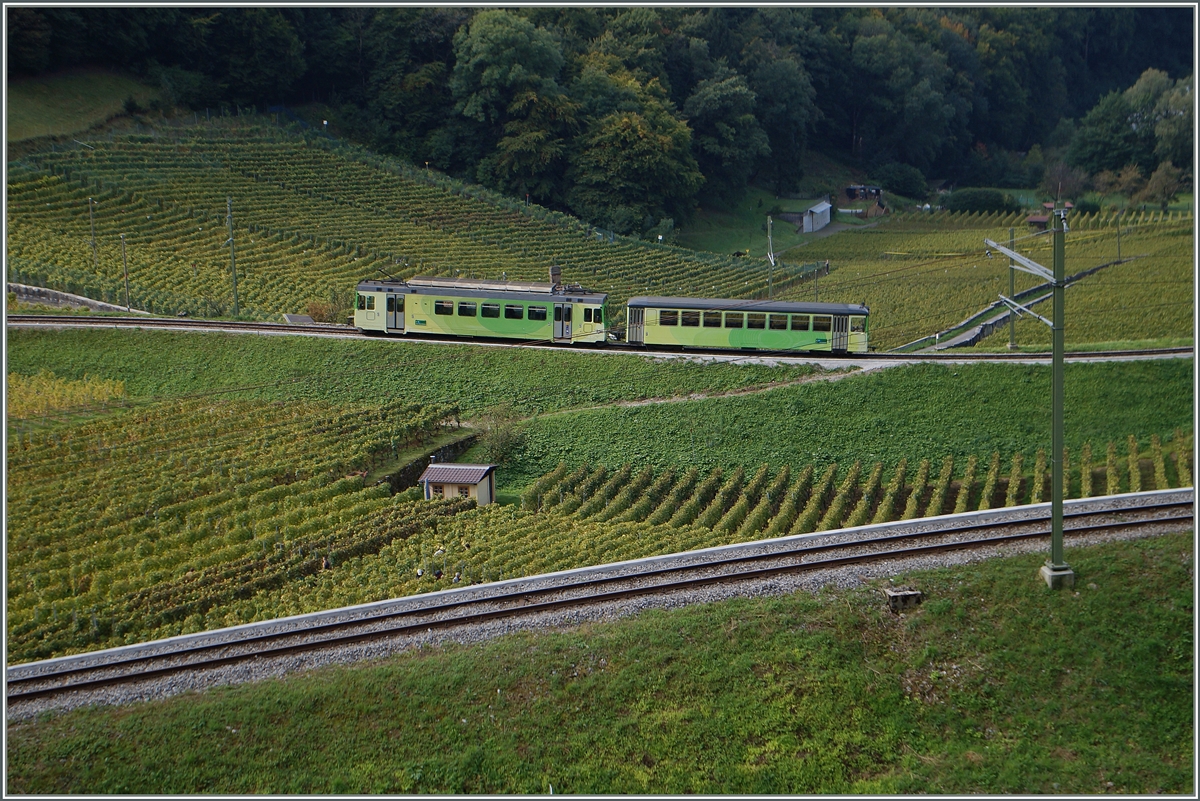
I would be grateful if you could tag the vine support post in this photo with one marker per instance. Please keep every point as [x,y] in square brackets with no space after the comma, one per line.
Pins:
[125,267]
[232,255]
[1012,291]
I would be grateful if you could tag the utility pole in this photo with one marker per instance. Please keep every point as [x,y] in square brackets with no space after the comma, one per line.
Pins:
[92,220]
[125,263]
[232,255]
[1056,572]
[770,258]
[1012,291]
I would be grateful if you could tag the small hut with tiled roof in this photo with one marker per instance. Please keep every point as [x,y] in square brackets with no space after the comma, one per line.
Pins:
[476,481]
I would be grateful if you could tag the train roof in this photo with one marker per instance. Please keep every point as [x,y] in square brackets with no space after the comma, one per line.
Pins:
[735,304]
[486,288]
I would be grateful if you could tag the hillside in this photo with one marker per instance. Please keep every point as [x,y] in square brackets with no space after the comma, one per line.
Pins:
[312,216]
[992,686]
[232,467]
[69,102]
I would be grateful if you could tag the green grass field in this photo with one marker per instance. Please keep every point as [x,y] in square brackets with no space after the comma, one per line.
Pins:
[995,685]
[744,228]
[65,103]
[155,365]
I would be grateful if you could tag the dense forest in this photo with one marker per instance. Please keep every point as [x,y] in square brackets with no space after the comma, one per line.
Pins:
[629,117]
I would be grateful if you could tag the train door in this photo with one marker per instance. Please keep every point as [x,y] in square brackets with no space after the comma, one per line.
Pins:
[395,312]
[562,322]
[635,332]
[841,332]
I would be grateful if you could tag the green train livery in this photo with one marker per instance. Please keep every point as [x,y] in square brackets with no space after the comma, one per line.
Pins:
[746,324]
[547,312]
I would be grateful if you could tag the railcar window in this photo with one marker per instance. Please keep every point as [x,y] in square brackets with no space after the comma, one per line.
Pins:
[734,319]
[537,312]
[567,313]
[443,307]
[370,303]
[587,315]
[489,310]
[597,316]
[754,320]
[858,324]
[822,322]
[391,303]
[512,312]
[778,322]
[712,319]
[362,302]
[466,309]
[668,317]
[799,322]
[464,492]
[399,303]
[691,318]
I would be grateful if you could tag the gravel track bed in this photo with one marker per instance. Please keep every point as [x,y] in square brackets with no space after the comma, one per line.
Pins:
[854,540]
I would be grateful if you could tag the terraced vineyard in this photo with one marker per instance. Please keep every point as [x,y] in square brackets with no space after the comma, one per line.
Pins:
[140,523]
[568,518]
[923,275]
[311,217]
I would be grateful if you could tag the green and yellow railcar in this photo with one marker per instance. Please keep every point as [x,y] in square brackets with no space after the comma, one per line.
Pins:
[549,312]
[746,324]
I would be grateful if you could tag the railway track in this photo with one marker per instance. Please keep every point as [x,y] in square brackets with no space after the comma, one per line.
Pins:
[338,330]
[95,676]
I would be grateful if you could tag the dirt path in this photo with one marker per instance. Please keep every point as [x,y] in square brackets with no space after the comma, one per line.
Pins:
[732,393]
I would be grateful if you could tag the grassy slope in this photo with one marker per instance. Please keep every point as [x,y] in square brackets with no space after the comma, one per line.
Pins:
[922,411]
[69,102]
[994,685]
[154,364]
[743,228]
[915,412]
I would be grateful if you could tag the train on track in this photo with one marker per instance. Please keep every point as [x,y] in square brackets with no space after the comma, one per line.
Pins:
[569,314]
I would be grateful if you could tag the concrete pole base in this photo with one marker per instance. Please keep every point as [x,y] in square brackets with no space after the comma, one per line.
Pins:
[1057,576]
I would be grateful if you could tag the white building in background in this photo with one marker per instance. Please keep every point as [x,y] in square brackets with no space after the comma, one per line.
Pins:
[816,217]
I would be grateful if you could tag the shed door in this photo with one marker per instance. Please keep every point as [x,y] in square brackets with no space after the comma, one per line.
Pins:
[395,311]
[635,333]
[562,322]
[841,330]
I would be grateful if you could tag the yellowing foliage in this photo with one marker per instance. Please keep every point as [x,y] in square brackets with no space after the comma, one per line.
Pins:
[33,395]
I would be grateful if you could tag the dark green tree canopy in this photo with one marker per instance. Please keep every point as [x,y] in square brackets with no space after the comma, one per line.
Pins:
[1107,139]
[537,100]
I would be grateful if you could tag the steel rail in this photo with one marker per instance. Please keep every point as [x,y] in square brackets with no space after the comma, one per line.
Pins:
[793,561]
[327,329]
